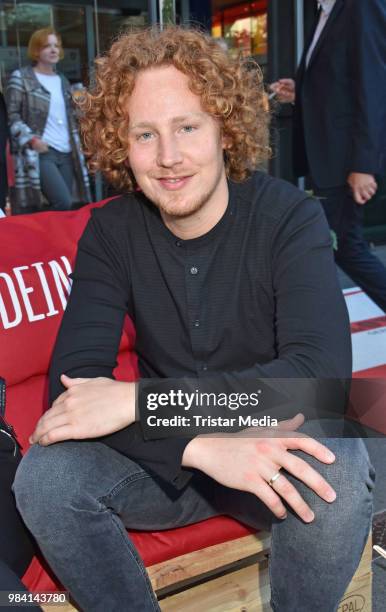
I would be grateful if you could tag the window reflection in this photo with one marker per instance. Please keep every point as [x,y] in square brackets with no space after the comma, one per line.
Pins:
[244,28]
[111,21]
[83,32]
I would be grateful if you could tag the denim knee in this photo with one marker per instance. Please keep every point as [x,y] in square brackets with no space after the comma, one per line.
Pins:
[47,480]
[332,544]
[352,467]
[351,476]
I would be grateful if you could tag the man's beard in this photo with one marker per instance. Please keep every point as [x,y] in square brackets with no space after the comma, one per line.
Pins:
[180,206]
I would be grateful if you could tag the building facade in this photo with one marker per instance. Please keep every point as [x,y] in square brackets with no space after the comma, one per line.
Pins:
[271,31]
[87,28]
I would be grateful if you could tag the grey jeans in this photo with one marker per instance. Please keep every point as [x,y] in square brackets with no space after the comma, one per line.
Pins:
[78,497]
[56,178]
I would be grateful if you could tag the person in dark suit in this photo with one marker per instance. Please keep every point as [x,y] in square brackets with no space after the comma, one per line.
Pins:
[340,125]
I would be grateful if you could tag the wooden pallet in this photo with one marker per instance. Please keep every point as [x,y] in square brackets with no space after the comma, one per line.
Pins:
[245,588]
[233,577]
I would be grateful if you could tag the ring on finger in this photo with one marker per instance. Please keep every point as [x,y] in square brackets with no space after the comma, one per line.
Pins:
[272,480]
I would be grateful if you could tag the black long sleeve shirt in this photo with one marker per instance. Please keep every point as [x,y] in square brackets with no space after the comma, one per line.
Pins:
[256,296]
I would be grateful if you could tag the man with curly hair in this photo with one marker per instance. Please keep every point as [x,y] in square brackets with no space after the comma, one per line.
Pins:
[228,276]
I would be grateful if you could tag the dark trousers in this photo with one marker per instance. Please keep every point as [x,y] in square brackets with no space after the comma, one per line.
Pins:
[77,497]
[16,545]
[56,178]
[353,254]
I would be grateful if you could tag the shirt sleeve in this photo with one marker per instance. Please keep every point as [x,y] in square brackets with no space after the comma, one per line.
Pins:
[20,131]
[88,342]
[312,332]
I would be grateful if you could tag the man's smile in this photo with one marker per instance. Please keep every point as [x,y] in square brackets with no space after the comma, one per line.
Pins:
[174,183]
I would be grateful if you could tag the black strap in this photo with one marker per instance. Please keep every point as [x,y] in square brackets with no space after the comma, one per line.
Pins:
[5,428]
[2,397]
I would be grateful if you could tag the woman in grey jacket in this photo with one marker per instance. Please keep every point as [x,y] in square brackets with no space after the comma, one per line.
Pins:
[44,138]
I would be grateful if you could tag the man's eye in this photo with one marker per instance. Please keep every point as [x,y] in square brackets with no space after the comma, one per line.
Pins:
[188,128]
[145,136]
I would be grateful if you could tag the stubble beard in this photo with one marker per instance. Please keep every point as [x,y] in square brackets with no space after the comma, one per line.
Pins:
[181,206]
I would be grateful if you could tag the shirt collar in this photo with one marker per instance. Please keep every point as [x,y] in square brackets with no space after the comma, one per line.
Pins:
[326,5]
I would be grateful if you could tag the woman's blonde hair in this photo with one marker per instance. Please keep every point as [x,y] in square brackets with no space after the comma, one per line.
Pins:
[39,39]
[230,90]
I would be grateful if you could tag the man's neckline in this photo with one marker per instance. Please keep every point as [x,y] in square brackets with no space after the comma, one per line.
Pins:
[210,234]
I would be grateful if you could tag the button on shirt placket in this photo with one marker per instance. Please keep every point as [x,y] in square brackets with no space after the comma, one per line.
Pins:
[194,294]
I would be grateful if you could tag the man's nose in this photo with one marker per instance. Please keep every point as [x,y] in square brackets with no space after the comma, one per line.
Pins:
[169,152]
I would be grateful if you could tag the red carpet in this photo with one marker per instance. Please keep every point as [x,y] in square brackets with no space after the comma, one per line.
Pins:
[368,328]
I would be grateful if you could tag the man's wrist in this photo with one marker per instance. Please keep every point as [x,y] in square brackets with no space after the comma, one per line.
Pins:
[193,453]
[132,396]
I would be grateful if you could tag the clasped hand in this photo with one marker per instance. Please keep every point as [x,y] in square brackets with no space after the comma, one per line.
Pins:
[89,408]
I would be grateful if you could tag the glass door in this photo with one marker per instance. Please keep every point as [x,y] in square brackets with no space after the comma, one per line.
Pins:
[85,32]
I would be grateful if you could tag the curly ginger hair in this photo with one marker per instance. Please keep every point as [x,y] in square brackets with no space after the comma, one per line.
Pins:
[230,90]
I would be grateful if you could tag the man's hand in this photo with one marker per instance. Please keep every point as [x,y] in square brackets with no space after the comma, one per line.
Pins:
[37,144]
[363,186]
[248,460]
[284,90]
[89,408]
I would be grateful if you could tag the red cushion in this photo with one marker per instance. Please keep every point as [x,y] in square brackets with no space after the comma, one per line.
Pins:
[26,402]
[38,252]
[157,546]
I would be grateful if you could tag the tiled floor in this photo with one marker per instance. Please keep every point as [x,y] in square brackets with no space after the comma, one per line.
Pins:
[377,452]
